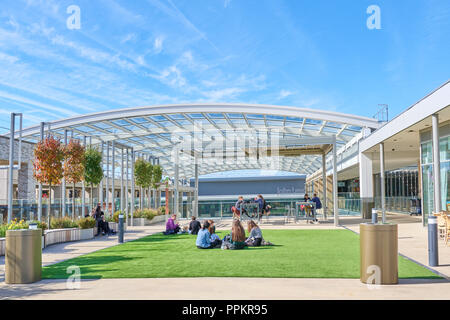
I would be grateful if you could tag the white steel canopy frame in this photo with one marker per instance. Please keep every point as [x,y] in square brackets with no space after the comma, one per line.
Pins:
[149,130]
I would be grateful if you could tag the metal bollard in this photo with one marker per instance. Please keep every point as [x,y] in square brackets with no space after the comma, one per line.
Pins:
[374,216]
[433,256]
[120,228]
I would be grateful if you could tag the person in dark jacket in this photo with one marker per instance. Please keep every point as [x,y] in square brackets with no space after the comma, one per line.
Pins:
[194,226]
[316,200]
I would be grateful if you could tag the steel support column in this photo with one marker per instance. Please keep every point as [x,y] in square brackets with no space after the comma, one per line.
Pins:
[382,184]
[335,180]
[324,186]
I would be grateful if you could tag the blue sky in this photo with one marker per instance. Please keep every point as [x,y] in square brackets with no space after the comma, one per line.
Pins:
[316,54]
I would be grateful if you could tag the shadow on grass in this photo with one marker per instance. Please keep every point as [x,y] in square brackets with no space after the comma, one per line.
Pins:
[91,266]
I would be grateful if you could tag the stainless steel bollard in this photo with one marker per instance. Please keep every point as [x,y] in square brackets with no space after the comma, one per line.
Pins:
[374,216]
[120,228]
[433,255]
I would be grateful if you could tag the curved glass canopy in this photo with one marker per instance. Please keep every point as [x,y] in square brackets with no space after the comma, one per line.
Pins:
[221,137]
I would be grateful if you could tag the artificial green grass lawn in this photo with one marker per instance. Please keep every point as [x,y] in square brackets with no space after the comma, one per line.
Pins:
[296,254]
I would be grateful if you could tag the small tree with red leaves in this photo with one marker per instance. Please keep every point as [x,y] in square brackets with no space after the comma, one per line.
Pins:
[74,166]
[47,166]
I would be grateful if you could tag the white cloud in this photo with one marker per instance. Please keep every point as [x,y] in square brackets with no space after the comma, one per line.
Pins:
[285,93]
[171,76]
[227,93]
[128,37]
[31,102]
[158,44]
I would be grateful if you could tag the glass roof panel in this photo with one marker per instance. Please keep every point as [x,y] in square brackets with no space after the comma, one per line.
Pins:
[176,116]
[158,118]
[257,122]
[216,115]
[313,121]
[275,123]
[331,130]
[295,119]
[293,124]
[166,123]
[255,116]
[196,116]
[355,128]
[220,121]
[85,129]
[274,117]
[120,122]
[139,120]
[235,115]
[334,125]
[184,122]
[238,121]
[102,125]
[348,133]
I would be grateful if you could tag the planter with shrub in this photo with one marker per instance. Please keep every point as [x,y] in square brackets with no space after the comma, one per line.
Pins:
[87,228]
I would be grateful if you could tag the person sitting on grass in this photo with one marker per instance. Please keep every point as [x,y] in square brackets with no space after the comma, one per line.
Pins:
[171,226]
[255,238]
[204,238]
[212,231]
[236,239]
[194,226]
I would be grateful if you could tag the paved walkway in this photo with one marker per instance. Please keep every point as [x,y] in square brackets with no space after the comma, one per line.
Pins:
[412,243]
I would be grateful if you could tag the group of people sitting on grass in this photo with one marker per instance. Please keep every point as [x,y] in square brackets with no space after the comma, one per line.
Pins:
[208,239]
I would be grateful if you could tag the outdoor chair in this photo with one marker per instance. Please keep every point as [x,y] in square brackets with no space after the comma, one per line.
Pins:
[442,225]
[447,228]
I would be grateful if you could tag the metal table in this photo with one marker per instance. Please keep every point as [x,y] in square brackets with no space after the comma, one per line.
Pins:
[252,210]
[307,213]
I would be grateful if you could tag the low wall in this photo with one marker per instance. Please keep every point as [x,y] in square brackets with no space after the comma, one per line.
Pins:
[67,235]
[140,222]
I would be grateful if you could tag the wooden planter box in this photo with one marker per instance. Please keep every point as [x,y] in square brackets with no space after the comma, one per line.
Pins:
[137,222]
[140,222]
[87,234]
[155,220]
[67,235]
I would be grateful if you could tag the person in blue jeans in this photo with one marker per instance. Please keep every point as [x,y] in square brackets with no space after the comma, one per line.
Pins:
[204,238]
[316,200]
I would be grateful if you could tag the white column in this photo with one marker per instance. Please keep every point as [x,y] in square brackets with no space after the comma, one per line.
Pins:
[335,180]
[382,184]
[63,184]
[436,163]
[324,185]
[176,184]
[113,170]
[126,182]
[83,189]
[11,168]
[196,189]
[100,195]
[132,184]
[365,185]
[121,182]
[107,177]
[40,184]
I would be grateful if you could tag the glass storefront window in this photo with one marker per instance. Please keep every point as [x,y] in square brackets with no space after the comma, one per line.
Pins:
[427,153]
[427,175]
